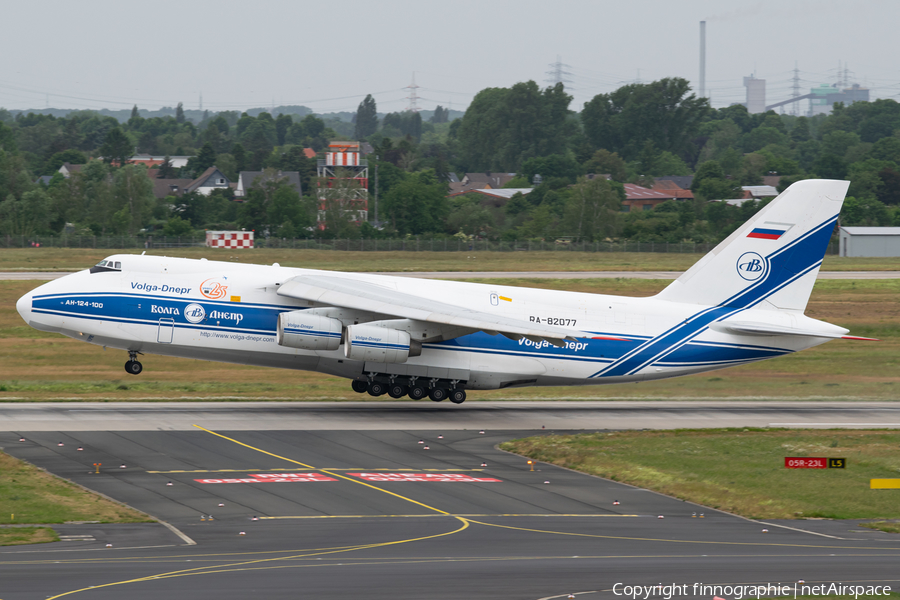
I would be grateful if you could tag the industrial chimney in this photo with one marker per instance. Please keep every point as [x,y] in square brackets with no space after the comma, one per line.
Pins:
[703,59]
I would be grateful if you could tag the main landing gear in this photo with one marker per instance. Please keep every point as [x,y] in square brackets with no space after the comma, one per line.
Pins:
[397,387]
[133,367]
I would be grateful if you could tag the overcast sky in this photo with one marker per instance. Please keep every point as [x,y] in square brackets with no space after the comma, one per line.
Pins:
[329,55]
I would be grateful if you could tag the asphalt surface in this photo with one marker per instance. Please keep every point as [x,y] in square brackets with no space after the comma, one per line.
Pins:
[331,526]
[260,416]
[47,275]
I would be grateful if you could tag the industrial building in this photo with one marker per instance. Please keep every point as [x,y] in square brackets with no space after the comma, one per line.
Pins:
[877,242]
[821,98]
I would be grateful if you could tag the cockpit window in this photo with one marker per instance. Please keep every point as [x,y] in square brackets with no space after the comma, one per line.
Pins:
[106,265]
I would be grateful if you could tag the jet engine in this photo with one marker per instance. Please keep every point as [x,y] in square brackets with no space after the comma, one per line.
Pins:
[297,329]
[379,344]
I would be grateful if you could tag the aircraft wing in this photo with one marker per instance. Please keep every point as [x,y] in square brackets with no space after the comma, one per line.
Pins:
[370,297]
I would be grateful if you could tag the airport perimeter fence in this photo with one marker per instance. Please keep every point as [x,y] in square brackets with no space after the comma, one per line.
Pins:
[414,244]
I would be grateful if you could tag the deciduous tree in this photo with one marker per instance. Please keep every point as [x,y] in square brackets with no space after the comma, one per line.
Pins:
[366,118]
[117,147]
[664,112]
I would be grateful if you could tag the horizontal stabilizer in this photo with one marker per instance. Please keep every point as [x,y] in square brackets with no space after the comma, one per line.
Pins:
[750,328]
[370,297]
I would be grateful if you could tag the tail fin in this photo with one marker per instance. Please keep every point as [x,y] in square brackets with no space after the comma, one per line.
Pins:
[772,260]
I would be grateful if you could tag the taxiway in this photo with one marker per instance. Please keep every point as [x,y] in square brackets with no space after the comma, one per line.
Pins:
[368,512]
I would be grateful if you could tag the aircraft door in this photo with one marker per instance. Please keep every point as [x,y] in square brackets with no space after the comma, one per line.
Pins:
[166,331]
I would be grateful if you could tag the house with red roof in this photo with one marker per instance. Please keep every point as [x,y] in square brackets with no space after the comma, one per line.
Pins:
[641,198]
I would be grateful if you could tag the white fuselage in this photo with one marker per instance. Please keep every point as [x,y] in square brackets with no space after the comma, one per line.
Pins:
[150,306]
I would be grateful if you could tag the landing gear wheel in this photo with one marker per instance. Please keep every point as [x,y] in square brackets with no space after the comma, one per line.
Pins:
[134,367]
[376,389]
[438,394]
[397,391]
[359,386]
[417,392]
[458,396]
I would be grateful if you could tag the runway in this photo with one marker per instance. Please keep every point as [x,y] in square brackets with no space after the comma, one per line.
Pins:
[369,512]
[425,415]
[49,275]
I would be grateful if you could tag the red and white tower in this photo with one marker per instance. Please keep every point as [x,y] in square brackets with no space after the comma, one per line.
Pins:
[343,182]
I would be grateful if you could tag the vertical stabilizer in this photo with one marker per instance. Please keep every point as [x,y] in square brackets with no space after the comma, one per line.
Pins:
[772,260]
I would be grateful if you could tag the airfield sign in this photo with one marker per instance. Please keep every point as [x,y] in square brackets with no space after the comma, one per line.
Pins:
[811,462]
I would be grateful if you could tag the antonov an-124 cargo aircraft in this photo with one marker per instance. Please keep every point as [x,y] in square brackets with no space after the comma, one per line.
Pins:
[742,302]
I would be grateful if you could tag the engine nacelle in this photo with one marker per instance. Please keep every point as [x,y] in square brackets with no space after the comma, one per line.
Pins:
[376,344]
[297,329]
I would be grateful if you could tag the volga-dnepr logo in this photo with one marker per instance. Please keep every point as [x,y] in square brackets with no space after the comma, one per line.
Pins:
[194,313]
[751,266]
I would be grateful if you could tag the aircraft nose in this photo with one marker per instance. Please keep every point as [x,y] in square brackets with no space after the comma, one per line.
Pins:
[24,306]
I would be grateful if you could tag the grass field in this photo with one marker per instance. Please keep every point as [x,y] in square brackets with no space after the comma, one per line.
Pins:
[43,366]
[889,526]
[73,259]
[739,470]
[17,536]
[31,495]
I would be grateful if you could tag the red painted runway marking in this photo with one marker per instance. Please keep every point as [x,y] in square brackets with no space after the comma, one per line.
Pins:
[273,478]
[420,477]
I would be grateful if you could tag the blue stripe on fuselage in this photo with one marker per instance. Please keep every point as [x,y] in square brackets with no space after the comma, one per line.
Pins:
[149,309]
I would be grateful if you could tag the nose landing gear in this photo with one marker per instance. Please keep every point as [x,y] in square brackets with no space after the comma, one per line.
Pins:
[133,367]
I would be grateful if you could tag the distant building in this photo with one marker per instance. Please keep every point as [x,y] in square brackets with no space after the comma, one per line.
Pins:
[756,95]
[170,187]
[641,198]
[823,98]
[211,179]
[759,192]
[499,198]
[670,188]
[247,179]
[879,242]
[150,161]
[480,181]
[734,201]
[67,169]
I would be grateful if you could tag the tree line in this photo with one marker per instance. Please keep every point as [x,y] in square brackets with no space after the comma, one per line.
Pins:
[633,134]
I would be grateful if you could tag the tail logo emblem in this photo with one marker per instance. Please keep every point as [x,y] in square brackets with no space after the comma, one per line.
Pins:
[751,266]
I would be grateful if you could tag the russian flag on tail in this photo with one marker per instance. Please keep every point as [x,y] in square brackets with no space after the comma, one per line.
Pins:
[769,231]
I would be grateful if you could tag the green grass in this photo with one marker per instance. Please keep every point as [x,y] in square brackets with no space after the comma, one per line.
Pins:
[31,495]
[17,536]
[888,526]
[72,259]
[739,470]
